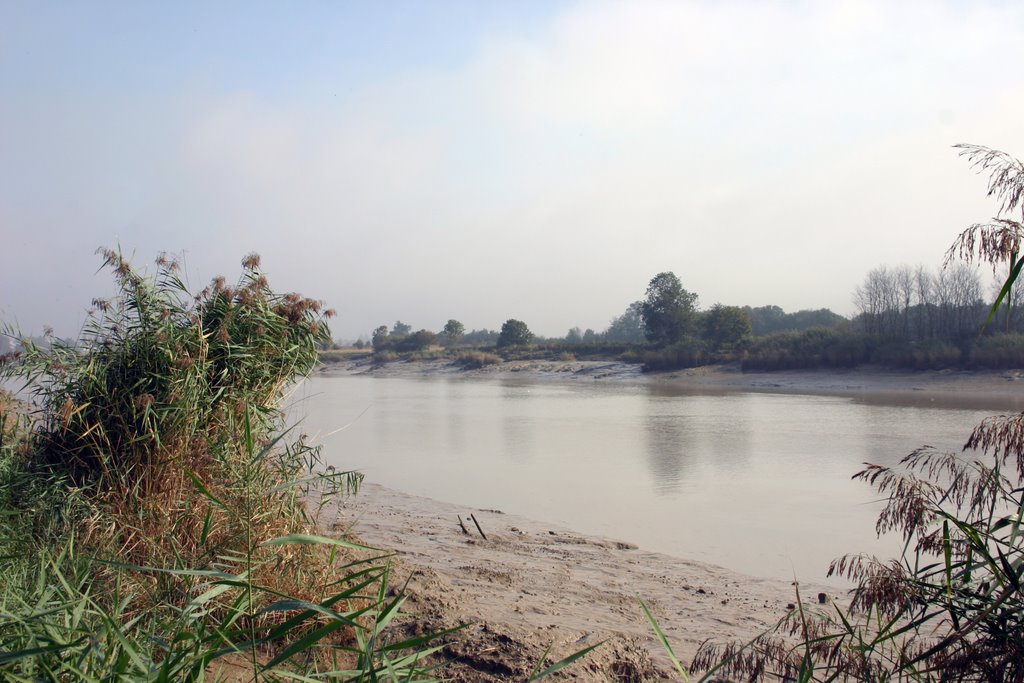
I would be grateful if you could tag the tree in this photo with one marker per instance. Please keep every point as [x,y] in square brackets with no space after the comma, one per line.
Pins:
[575,336]
[725,327]
[589,336]
[628,327]
[400,329]
[514,333]
[380,338]
[417,341]
[668,310]
[452,332]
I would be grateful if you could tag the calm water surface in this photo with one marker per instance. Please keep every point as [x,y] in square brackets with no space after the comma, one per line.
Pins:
[756,482]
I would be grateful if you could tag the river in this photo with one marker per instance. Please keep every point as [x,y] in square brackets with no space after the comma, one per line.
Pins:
[756,482]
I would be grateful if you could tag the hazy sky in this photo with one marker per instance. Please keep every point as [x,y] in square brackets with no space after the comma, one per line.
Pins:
[482,160]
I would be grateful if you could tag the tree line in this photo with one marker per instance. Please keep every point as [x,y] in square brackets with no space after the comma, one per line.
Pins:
[906,317]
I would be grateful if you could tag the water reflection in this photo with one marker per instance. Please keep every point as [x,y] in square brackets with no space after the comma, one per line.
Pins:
[757,482]
[669,441]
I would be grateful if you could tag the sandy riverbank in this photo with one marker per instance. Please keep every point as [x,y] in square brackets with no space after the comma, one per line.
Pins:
[531,584]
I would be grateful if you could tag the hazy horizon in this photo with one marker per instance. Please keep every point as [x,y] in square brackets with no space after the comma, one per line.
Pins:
[484,161]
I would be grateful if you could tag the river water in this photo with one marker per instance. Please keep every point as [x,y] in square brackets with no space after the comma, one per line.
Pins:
[756,482]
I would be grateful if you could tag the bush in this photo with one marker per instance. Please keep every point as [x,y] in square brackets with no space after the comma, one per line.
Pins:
[156,448]
[998,352]
[474,360]
[675,357]
[807,349]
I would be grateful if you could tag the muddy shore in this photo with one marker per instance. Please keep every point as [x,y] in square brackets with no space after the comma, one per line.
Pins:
[523,585]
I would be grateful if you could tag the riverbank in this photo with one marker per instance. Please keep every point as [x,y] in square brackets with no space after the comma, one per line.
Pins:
[523,585]
[988,389]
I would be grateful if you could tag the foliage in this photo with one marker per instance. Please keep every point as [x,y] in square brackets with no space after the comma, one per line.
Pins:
[452,332]
[998,351]
[726,327]
[161,522]
[814,348]
[668,310]
[381,339]
[675,356]
[998,241]
[417,341]
[514,333]
[628,327]
[474,360]
[767,319]
[400,329]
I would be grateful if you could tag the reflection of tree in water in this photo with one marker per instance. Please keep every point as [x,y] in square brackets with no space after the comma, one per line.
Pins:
[669,450]
[517,427]
[518,432]
[455,423]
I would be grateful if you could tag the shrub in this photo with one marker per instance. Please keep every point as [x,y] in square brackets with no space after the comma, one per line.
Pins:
[156,448]
[474,360]
[681,355]
[998,351]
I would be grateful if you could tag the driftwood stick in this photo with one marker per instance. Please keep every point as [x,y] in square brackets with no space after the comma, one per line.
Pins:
[464,529]
[473,517]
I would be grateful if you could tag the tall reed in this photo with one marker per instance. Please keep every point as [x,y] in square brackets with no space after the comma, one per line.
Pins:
[160,513]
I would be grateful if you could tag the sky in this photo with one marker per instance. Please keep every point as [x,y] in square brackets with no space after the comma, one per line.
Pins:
[421,161]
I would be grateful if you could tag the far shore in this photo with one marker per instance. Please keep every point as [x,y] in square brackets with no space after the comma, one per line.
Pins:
[984,389]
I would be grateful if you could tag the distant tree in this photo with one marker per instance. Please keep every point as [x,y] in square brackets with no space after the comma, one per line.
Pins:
[726,327]
[628,327]
[769,319]
[668,310]
[589,336]
[575,336]
[453,332]
[400,329]
[514,333]
[380,339]
[766,319]
[417,341]
[480,337]
[360,344]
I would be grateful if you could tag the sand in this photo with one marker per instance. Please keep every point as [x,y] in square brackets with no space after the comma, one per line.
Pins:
[529,585]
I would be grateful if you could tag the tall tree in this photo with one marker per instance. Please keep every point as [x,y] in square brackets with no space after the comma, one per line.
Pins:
[380,338]
[452,332]
[514,333]
[628,327]
[726,327]
[668,310]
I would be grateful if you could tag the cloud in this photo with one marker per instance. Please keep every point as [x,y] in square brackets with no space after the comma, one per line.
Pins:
[766,152]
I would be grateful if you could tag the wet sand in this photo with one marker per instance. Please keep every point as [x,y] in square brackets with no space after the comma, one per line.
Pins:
[530,584]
